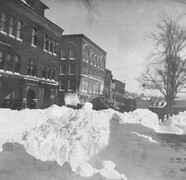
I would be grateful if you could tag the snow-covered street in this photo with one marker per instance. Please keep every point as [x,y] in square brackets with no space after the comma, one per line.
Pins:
[63,143]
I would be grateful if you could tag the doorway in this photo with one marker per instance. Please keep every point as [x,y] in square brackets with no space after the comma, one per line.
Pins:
[31,97]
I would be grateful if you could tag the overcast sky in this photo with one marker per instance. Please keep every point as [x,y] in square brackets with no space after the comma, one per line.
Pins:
[120,27]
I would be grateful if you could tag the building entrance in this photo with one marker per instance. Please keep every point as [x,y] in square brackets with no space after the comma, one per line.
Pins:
[31,99]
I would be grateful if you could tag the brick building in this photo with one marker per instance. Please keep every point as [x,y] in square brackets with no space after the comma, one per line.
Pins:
[82,67]
[107,85]
[29,59]
[118,93]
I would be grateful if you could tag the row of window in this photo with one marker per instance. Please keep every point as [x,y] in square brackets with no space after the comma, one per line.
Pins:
[48,72]
[91,87]
[67,69]
[14,28]
[70,84]
[10,62]
[11,26]
[50,45]
[72,55]
[93,58]
[92,73]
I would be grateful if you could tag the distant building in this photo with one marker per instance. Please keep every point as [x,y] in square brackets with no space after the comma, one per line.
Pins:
[118,93]
[28,55]
[143,102]
[107,85]
[82,68]
[129,104]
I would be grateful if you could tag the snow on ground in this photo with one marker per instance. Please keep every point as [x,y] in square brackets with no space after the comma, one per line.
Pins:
[77,136]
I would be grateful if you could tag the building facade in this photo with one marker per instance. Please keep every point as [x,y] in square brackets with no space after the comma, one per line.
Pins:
[29,55]
[107,85]
[118,93]
[81,69]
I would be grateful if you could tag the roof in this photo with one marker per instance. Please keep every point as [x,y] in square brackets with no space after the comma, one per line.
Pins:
[43,17]
[44,5]
[83,37]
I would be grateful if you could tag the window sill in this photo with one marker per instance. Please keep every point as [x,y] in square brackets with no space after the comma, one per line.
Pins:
[3,32]
[19,39]
[61,90]
[63,59]
[33,45]
[72,59]
[18,73]
[12,36]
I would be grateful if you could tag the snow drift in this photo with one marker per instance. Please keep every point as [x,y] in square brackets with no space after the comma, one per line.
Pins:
[76,136]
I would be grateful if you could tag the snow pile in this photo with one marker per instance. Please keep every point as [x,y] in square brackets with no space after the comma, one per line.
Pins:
[76,136]
[141,116]
[175,125]
[14,123]
[71,99]
[63,134]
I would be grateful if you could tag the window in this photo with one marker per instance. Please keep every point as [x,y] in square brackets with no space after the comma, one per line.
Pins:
[55,46]
[34,37]
[72,55]
[86,54]
[46,41]
[17,64]
[2,60]
[49,72]
[32,68]
[9,62]
[3,23]
[95,60]
[72,69]
[62,85]
[63,55]
[11,26]
[51,45]
[19,30]
[92,58]
[62,69]
[98,62]
[71,84]
[53,72]
[44,71]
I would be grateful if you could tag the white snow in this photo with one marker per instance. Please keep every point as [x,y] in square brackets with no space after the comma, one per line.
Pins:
[71,99]
[64,134]
[145,136]
[175,125]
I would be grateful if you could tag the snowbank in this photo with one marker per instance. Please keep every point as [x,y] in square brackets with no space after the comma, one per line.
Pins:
[66,135]
[175,125]
[141,116]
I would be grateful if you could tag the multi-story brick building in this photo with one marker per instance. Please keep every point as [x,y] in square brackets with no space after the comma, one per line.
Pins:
[82,68]
[107,85]
[28,55]
[118,93]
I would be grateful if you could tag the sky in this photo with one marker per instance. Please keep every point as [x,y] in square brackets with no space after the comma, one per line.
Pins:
[120,27]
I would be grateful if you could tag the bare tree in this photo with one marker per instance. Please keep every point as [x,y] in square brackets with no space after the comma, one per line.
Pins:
[166,71]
